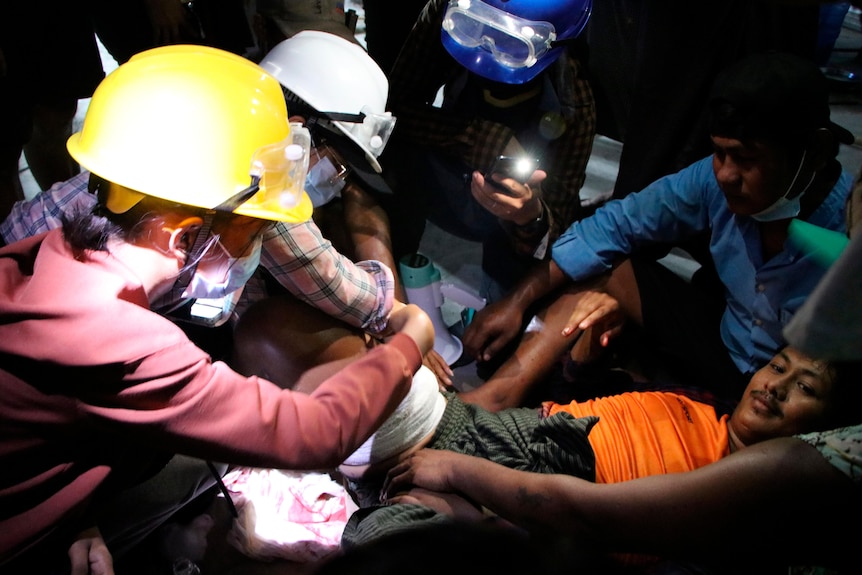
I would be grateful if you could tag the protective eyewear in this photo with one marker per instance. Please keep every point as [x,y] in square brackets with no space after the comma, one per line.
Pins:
[277,174]
[514,42]
[370,129]
[373,130]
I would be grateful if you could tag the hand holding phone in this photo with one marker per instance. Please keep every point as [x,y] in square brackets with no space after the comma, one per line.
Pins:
[518,168]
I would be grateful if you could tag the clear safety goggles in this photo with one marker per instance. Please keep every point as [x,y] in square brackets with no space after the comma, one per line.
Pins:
[374,130]
[513,41]
[371,130]
[277,173]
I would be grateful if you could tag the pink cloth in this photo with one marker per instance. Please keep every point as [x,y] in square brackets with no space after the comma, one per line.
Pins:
[293,515]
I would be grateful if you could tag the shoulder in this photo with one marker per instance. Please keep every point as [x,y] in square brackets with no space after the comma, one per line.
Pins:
[842,448]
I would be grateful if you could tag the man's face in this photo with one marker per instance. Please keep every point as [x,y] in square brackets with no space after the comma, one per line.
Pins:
[751,175]
[792,394]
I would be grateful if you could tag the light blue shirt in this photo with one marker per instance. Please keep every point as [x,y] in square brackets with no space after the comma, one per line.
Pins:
[761,296]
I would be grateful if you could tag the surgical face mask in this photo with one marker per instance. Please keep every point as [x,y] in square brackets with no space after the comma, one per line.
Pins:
[785,207]
[326,178]
[219,275]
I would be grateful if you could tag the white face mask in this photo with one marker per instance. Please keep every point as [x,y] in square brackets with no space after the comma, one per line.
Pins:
[324,182]
[785,208]
[218,276]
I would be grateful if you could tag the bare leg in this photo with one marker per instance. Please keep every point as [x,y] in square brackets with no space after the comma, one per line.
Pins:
[293,344]
[543,344]
[541,347]
[624,287]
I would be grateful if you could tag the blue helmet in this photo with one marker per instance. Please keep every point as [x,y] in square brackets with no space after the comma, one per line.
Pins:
[511,41]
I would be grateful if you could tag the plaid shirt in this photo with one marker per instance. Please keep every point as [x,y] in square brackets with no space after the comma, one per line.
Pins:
[305,263]
[296,255]
[424,65]
[45,211]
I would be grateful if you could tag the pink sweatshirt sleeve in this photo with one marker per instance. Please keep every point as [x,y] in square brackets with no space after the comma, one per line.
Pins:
[224,416]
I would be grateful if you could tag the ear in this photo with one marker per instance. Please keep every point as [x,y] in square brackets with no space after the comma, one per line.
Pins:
[183,235]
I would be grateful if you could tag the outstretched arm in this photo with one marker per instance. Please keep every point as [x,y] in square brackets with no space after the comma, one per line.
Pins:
[777,501]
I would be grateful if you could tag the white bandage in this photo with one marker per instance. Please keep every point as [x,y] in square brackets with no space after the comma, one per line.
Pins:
[415,417]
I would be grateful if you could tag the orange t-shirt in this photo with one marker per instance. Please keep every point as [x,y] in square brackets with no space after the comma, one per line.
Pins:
[651,433]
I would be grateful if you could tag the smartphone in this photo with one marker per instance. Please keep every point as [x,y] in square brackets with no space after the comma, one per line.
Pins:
[518,168]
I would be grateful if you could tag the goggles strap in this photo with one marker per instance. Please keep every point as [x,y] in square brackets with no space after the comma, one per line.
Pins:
[564,42]
[311,114]
[239,198]
[343,117]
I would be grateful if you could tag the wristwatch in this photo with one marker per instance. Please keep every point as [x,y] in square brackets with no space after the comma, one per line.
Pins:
[534,225]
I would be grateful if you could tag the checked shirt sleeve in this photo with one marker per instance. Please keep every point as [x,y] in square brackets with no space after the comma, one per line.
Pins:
[306,264]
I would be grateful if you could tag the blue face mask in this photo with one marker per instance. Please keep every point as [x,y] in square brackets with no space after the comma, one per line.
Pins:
[324,181]
[217,280]
[784,207]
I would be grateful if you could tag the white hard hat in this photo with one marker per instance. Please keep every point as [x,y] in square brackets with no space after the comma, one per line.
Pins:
[336,76]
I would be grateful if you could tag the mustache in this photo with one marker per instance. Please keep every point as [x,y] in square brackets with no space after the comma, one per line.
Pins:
[768,398]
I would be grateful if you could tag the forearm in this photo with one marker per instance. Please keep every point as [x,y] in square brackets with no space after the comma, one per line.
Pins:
[529,500]
[773,493]
[368,226]
[780,493]
[307,265]
[545,277]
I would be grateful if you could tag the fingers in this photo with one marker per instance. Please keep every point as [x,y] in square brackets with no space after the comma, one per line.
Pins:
[489,332]
[394,479]
[499,196]
[405,499]
[607,336]
[414,322]
[435,362]
[79,557]
[507,198]
[537,178]
[592,308]
[492,348]
[480,344]
[580,322]
[89,555]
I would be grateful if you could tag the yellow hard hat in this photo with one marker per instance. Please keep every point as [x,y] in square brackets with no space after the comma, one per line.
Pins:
[199,126]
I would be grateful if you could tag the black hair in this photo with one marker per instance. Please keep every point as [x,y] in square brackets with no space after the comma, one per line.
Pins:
[728,120]
[92,229]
